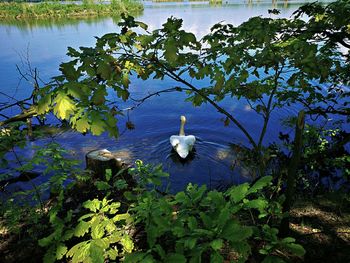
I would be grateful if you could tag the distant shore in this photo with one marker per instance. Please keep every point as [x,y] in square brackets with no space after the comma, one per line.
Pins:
[56,10]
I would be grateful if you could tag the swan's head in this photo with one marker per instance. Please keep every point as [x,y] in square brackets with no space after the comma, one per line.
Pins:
[183,119]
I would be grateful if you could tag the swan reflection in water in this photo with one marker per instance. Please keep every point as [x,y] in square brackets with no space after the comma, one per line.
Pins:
[179,160]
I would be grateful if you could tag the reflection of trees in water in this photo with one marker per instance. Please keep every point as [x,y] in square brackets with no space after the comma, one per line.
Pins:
[50,22]
[271,3]
[278,3]
[27,24]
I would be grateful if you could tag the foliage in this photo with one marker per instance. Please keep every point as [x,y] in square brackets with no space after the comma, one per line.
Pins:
[102,234]
[269,62]
[56,9]
[196,224]
[10,137]
[324,160]
[19,209]
[191,225]
[148,175]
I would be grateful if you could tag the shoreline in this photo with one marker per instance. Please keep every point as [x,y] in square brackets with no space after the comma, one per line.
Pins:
[22,11]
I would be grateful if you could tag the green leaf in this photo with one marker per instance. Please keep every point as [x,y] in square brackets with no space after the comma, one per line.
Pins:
[98,98]
[112,253]
[69,71]
[92,205]
[260,184]
[44,242]
[189,37]
[97,228]
[68,234]
[44,104]
[108,174]
[120,184]
[175,258]
[215,257]
[127,243]
[79,252]
[295,249]
[190,242]
[217,244]
[192,223]
[50,255]
[82,125]
[96,253]
[235,232]
[75,89]
[97,127]
[104,70]
[72,52]
[125,82]
[101,185]
[170,52]
[142,25]
[237,193]
[181,197]
[61,251]
[224,216]
[259,204]
[81,229]
[288,240]
[64,106]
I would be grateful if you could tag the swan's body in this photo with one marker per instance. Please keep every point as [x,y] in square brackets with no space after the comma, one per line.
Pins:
[181,143]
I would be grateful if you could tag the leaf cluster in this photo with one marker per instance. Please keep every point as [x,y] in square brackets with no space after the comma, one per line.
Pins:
[102,234]
[197,225]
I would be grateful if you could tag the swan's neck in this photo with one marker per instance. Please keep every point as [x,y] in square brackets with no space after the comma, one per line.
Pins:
[182,127]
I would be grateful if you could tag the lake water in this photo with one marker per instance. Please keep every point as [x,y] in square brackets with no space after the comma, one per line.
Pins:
[45,44]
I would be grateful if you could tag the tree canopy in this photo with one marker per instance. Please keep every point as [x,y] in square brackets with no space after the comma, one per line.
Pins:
[270,62]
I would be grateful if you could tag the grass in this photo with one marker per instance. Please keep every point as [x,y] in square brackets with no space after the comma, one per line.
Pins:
[57,10]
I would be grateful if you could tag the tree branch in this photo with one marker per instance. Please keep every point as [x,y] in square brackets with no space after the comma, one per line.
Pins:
[20,117]
[216,106]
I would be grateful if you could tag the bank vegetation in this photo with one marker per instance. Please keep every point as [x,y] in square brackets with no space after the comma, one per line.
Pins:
[86,8]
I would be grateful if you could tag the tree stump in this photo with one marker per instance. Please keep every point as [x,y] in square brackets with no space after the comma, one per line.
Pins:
[99,160]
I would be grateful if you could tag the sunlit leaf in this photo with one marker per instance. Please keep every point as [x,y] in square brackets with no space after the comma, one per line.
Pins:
[81,229]
[64,106]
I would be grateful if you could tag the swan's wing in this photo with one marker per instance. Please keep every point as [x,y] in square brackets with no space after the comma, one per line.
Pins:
[174,140]
[190,140]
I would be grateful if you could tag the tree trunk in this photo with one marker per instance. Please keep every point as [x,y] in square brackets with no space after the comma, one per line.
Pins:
[292,172]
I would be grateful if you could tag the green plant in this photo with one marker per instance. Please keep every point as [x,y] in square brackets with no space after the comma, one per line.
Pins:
[273,244]
[112,182]
[148,175]
[197,224]
[29,207]
[99,235]
[10,137]
[324,158]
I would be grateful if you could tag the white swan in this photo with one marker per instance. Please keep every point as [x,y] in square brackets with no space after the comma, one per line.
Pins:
[181,143]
